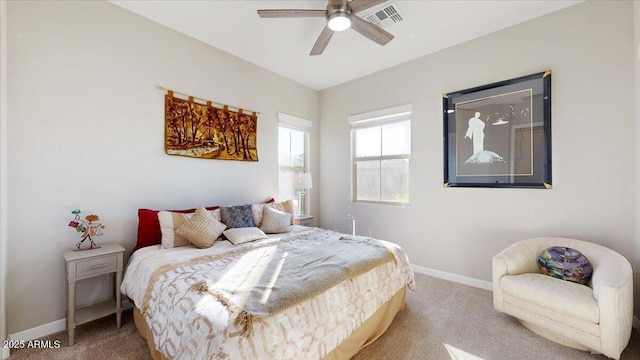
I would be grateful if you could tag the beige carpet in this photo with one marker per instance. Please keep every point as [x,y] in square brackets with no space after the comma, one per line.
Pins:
[446,320]
[443,321]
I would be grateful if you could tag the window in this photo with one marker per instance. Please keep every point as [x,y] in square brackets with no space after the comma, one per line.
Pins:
[381,151]
[293,155]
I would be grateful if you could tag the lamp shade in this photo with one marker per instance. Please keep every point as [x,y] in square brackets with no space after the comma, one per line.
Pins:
[302,181]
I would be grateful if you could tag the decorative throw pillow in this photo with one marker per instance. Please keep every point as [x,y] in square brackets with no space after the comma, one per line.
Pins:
[258,209]
[170,221]
[566,264]
[202,229]
[243,235]
[149,226]
[237,216]
[275,221]
[288,206]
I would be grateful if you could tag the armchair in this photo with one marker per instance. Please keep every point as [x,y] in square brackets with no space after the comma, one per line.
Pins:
[597,317]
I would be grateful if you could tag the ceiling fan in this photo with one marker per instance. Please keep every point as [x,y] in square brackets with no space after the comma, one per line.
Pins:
[340,15]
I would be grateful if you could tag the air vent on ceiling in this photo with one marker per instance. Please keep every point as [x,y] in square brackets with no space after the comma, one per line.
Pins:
[385,16]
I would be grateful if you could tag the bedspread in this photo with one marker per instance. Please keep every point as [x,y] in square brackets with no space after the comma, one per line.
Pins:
[188,324]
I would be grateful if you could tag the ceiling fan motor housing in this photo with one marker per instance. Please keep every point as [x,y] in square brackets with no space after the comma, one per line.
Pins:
[339,17]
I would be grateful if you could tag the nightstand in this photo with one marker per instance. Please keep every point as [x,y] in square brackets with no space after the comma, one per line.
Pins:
[85,264]
[304,220]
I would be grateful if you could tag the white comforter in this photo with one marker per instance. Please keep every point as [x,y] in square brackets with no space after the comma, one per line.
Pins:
[187,324]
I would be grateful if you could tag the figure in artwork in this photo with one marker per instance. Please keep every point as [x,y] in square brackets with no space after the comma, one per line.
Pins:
[90,227]
[475,132]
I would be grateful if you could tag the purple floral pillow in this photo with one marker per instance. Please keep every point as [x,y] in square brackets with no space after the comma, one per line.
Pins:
[566,264]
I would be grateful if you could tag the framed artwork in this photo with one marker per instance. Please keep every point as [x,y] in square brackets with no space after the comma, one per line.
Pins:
[499,135]
[207,132]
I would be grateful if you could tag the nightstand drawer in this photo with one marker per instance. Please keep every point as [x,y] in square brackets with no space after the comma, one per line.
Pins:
[96,266]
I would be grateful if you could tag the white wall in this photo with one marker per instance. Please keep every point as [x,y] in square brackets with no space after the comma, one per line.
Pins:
[86,125]
[86,131]
[589,48]
[636,22]
[3,175]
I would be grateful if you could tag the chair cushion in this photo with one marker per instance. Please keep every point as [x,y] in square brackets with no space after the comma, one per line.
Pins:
[563,297]
[565,263]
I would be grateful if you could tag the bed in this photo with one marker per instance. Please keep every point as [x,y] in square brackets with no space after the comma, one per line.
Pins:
[182,314]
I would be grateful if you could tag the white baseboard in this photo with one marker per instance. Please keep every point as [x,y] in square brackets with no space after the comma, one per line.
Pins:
[5,353]
[453,277]
[48,329]
[39,331]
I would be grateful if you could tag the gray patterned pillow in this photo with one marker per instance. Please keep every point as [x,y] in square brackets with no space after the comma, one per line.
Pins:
[237,216]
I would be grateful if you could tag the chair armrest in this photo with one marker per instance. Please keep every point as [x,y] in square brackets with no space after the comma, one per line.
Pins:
[499,266]
[519,258]
[612,283]
[611,271]
[616,316]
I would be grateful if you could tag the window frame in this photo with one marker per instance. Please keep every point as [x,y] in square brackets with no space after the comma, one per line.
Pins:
[303,125]
[396,114]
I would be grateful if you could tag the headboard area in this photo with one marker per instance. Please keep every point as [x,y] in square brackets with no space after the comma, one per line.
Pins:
[150,230]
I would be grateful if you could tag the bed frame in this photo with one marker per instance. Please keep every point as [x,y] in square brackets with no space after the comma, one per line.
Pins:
[367,333]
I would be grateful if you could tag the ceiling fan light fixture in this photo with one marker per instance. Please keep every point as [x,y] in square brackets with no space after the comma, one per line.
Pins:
[339,21]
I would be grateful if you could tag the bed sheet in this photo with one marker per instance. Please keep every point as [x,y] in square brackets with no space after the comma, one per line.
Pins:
[187,324]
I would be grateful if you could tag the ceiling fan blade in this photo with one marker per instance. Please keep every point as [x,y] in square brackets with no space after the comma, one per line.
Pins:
[292,13]
[370,31]
[360,5]
[322,42]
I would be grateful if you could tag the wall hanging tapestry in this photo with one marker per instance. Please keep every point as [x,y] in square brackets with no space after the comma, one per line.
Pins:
[499,135]
[208,132]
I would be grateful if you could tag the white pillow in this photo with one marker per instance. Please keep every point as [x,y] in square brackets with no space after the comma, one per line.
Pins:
[170,221]
[243,235]
[258,209]
[286,206]
[275,221]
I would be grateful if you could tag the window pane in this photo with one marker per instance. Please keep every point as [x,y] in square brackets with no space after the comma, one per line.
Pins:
[285,183]
[297,148]
[286,190]
[396,138]
[284,147]
[368,141]
[395,180]
[291,153]
[368,180]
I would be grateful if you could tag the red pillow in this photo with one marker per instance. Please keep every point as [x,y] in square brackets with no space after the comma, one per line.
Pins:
[149,226]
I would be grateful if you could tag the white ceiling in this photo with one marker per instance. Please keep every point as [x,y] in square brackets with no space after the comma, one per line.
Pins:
[283,45]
